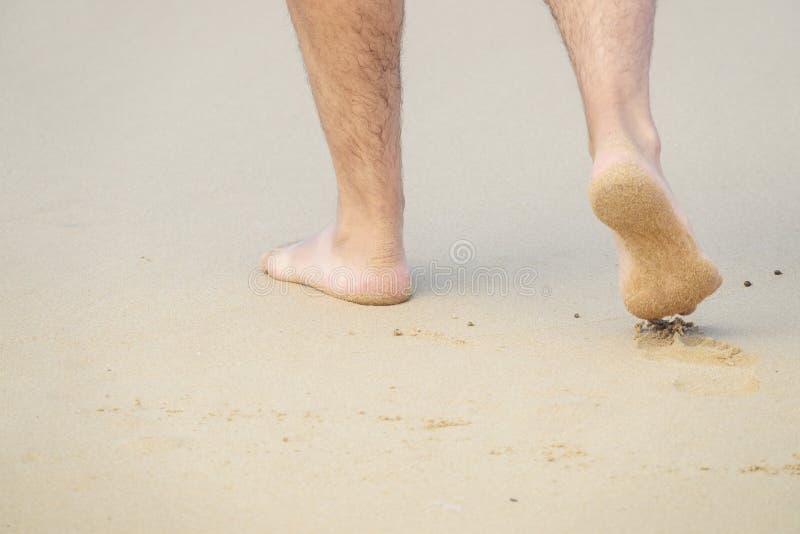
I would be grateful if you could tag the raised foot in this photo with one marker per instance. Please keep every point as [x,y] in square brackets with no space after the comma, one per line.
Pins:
[356,270]
[662,270]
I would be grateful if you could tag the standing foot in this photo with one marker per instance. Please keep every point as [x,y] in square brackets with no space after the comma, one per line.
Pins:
[662,269]
[358,268]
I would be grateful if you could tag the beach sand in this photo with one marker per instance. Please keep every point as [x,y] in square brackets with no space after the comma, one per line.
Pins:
[153,380]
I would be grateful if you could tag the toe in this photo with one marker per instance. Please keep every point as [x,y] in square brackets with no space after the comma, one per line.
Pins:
[265,261]
[276,262]
[271,260]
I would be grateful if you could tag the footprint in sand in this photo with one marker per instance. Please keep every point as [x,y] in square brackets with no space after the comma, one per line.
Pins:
[713,367]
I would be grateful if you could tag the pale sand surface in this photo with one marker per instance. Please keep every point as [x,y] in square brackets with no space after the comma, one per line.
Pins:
[150,151]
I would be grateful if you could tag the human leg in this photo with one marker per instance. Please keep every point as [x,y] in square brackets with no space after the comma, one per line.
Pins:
[351,50]
[662,270]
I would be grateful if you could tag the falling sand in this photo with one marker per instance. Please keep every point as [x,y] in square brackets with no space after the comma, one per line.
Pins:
[668,274]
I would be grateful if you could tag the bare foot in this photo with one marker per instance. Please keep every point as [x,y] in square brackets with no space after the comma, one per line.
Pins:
[662,270]
[360,269]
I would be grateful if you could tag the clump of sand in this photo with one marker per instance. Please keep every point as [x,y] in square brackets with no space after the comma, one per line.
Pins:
[435,424]
[664,328]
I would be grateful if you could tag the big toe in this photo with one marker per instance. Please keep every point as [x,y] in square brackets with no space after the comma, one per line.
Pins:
[277,262]
[278,259]
[266,261]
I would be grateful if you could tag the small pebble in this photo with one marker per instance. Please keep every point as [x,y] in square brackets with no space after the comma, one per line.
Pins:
[512,499]
[747,283]
[470,323]
[777,272]
[397,332]
[577,316]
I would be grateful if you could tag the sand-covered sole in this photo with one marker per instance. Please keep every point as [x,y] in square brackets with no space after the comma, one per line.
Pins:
[669,274]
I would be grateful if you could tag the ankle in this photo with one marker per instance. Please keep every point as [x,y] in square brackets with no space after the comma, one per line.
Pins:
[624,130]
[370,219]
[375,240]
[643,141]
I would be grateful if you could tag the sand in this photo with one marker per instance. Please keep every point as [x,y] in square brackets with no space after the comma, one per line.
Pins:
[669,273]
[153,381]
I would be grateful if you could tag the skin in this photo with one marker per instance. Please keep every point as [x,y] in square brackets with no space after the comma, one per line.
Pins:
[609,44]
[351,49]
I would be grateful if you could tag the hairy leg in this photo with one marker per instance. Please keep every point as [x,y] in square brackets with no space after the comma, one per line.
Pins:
[351,50]
[662,270]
